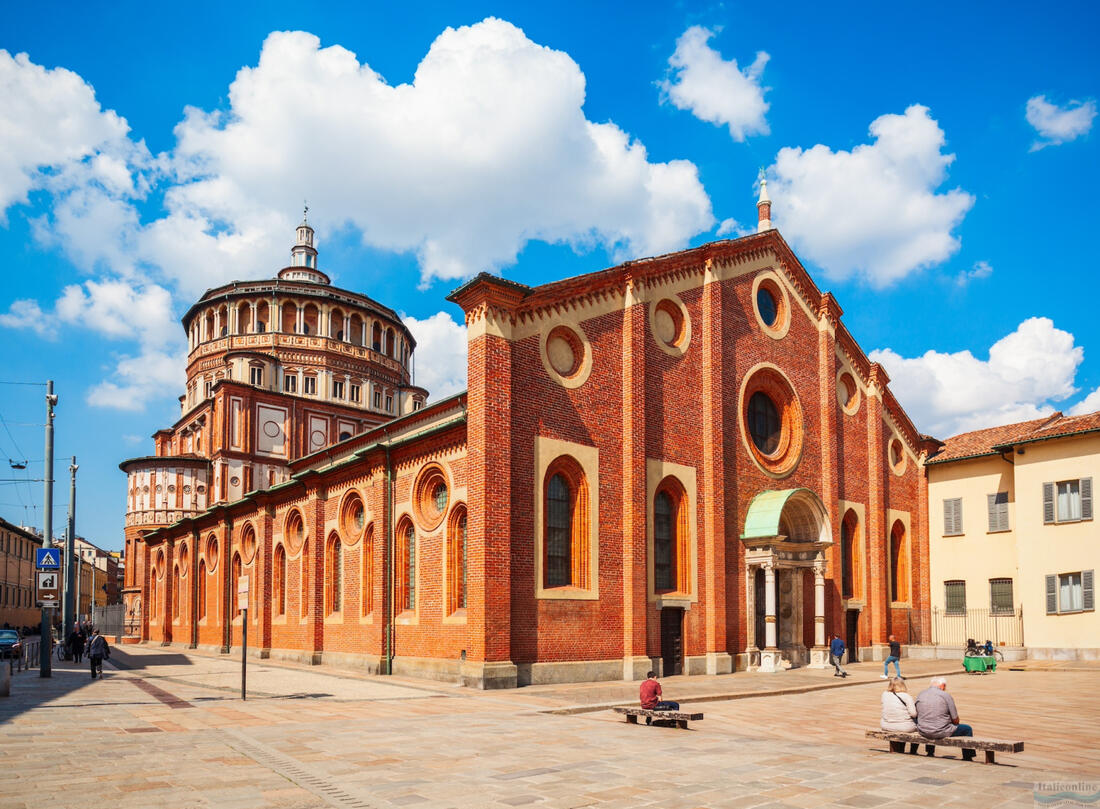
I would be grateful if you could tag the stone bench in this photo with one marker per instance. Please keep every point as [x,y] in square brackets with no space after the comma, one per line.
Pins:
[988,746]
[680,718]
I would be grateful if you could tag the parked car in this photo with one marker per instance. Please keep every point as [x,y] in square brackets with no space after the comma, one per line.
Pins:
[11,645]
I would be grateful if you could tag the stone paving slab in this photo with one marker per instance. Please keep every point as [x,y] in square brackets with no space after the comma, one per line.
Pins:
[317,738]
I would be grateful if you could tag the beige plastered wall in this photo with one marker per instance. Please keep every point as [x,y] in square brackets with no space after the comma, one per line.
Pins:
[977,555]
[1055,549]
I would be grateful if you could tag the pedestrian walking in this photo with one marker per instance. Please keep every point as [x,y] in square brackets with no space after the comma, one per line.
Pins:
[836,650]
[895,657]
[97,650]
[76,644]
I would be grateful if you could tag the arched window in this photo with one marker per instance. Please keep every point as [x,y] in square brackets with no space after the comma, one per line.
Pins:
[566,526]
[389,342]
[850,575]
[671,539]
[664,543]
[456,560]
[899,563]
[202,589]
[279,583]
[376,337]
[152,595]
[367,603]
[335,574]
[311,317]
[175,593]
[405,567]
[289,318]
[236,577]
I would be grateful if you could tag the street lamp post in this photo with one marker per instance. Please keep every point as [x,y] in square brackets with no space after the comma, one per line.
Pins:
[69,607]
[44,668]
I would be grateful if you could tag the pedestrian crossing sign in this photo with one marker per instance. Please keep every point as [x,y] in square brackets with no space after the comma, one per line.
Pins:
[47,558]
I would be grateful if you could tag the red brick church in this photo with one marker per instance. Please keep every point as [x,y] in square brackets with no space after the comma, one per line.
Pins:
[683,463]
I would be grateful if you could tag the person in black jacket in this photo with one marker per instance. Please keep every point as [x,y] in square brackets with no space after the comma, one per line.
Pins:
[76,644]
[97,650]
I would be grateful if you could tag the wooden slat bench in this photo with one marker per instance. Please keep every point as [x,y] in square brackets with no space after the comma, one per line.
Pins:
[680,718]
[988,746]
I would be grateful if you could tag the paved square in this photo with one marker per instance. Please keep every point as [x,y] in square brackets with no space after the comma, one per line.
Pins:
[165,728]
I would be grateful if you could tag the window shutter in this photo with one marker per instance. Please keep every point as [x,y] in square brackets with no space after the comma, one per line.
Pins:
[1087,601]
[991,502]
[1048,502]
[1052,590]
[1086,498]
[952,516]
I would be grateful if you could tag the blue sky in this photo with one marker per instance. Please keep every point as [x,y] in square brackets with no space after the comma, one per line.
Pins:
[933,165]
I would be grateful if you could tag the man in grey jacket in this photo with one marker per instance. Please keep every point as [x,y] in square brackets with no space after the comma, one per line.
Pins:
[97,650]
[937,717]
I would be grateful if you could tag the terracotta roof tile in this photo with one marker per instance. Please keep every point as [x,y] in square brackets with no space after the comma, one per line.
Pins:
[990,440]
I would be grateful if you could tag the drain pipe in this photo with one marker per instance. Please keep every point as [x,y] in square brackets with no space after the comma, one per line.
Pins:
[387,569]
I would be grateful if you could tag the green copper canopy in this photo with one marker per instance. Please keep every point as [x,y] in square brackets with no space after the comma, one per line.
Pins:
[806,519]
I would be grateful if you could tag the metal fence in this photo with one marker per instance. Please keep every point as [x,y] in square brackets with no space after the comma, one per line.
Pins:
[108,620]
[955,627]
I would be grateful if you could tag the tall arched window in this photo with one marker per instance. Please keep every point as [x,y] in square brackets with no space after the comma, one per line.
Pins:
[153,595]
[175,593]
[376,337]
[405,567]
[456,560]
[848,528]
[565,525]
[279,583]
[899,563]
[367,602]
[236,577]
[335,571]
[389,342]
[664,549]
[202,588]
[671,538]
[559,525]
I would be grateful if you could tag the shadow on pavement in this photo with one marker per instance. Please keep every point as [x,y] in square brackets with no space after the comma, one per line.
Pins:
[129,662]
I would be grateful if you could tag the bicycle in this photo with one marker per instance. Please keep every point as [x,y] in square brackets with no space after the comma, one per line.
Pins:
[974,650]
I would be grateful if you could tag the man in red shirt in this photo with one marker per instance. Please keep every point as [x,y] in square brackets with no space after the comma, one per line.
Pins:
[649,693]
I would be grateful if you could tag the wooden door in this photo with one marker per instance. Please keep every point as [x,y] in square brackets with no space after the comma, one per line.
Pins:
[672,641]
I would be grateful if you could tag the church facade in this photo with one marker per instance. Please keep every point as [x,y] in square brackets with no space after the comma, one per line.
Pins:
[683,463]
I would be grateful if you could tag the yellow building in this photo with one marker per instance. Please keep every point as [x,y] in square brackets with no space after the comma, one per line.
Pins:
[1013,545]
[17,585]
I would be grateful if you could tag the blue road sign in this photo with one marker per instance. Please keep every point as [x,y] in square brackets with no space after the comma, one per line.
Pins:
[47,558]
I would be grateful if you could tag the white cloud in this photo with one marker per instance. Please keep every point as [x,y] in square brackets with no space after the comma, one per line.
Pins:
[715,89]
[27,314]
[947,394]
[49,120]
[731,227]
[487,149]
[874,211]
[981,269]
[137,379]
[1090,404]
[440,355]
[1059,124]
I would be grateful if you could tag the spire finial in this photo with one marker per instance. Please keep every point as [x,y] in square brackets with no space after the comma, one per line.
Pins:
[763,205]
[305,210]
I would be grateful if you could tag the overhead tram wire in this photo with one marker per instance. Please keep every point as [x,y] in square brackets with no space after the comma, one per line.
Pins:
[8,382]
[23,468]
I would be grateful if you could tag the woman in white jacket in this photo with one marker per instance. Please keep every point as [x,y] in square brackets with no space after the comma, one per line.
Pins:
[898,710]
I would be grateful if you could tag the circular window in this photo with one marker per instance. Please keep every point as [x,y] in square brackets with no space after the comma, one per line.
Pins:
[145,490]
[431,496]
[317,437]
[771,305]
[353,518]
[248,544]
[187,490]
[272,429]
[234,481]
[896,454]
[566,356]
[671,326]
[766,305]
[211,553]
[847,393]
[171,489]
[764,423]
[201,489]
[185,557]
[564,351]
[158,488]
[771,420]
[295,531]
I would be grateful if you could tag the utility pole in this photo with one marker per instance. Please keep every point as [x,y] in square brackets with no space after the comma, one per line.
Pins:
[44,668]
[69,609]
